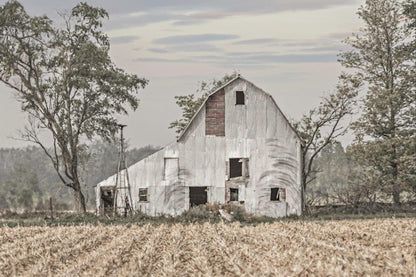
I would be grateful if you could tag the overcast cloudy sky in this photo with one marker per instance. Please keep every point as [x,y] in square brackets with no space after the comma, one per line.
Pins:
[287,48]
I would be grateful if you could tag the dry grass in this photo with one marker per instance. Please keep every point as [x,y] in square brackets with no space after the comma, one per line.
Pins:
[379,247]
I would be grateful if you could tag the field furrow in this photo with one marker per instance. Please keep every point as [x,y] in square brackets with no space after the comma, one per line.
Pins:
[384,247]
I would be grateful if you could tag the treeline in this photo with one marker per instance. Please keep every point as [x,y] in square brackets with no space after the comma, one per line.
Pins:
[340,179]
[28,179]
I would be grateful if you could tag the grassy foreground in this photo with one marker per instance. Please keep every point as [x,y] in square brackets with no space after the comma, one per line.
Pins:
[333,248]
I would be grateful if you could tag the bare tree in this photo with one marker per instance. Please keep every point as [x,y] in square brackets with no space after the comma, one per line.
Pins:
[323,125]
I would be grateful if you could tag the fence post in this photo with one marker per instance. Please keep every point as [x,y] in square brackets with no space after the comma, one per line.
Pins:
[51,207]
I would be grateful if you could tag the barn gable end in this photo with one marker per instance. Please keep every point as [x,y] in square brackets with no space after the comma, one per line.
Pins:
[214,121]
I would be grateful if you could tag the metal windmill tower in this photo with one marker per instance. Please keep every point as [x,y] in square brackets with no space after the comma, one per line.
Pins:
[122,200]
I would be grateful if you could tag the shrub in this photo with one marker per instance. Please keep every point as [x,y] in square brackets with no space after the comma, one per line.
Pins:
[238,212]
[200,213]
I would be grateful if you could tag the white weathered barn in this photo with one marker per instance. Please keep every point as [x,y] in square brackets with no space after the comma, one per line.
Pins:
[238,147]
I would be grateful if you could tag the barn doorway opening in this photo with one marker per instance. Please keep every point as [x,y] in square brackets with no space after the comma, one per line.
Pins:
[107,200]
[197,196]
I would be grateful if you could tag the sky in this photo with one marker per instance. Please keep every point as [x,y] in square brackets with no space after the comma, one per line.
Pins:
[287,48]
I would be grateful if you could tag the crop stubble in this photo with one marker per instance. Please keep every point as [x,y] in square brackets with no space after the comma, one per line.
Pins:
[383,247]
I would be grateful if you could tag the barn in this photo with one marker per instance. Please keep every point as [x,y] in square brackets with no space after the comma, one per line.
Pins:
[238,148]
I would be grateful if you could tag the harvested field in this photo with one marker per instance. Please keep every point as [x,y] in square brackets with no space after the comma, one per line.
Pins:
[379,247]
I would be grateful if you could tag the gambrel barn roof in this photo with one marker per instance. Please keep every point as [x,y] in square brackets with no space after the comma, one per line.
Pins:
[225,85]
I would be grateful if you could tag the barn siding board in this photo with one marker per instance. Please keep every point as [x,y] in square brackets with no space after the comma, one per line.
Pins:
[256,130]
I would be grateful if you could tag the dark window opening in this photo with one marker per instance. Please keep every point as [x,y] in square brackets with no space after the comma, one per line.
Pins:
[197,196]
[143,195]
[239,98]
[278,194]
[107,198]
[233,194]
[236,168]
[274,196]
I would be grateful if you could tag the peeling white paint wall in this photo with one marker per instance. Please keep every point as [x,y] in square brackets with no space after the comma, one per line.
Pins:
[257,130]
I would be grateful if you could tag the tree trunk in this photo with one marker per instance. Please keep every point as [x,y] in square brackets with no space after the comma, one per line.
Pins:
[303,192]
[395,173]
[395,191]
[79,199]
[396,195]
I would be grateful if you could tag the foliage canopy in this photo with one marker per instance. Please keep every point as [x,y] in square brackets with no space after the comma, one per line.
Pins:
[66,82]
[383,57]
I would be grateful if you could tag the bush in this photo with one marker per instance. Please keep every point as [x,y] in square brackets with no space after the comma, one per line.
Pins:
[214,207]
[200,213]
[238,212]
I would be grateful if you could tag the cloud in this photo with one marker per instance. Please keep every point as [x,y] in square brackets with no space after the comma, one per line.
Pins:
[197,47]
[158,50]
[335,49]
[256,41]
[202,17]
[337,36]
[212,15]
[215,8]
[163,60]
[259,58]
[141,19]
[185,12]
[247,54]
[253,59]
[184,39]
[187,22]
[212,6]
[123,39]
[292,58]
[186,48]
[319,50]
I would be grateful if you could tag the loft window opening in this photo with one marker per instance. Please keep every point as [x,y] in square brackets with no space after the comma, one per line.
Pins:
[237,167]
[143,194]
[278,194]
[274,196]
[239,98]
[233,194]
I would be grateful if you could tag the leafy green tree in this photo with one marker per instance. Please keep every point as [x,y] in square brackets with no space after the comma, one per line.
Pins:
[383,57]
[17,163]
[340,181]
[332,166]
[190,103]
[324,124]
[21,190]
[410,11]
[66,82]
[33,159]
